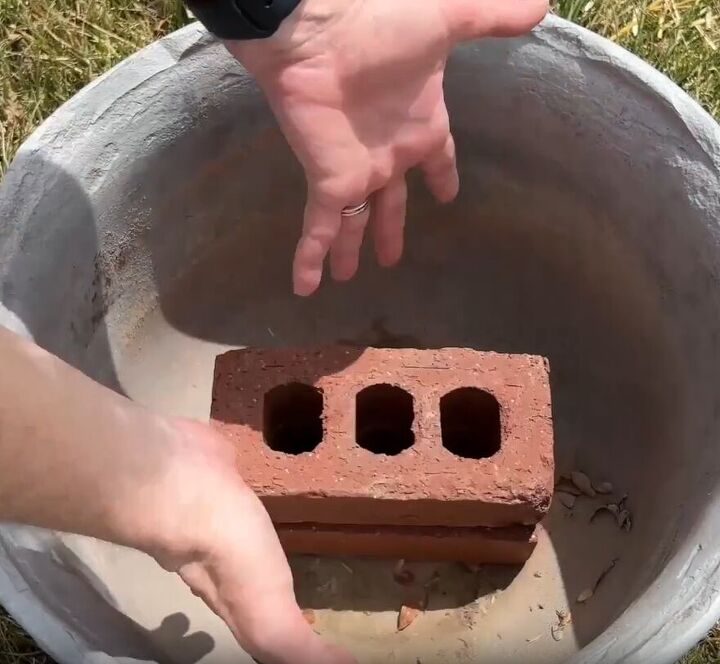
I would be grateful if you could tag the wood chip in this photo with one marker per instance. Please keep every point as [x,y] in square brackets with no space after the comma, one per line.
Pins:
[585,595]
[622,515]
[557,632]
[566,499]
[406,616]
[624,520]
[612,508]
[564,618]
[402,574]
[583,483]
[604,488]
[309,616]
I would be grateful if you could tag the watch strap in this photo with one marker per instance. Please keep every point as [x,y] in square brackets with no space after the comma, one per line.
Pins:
[242,19]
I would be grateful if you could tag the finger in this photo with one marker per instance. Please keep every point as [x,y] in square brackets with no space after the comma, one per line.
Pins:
[472,19]
[388,221]
[320,228]
[248,583]
[441,175]
[287,638]
[345,252]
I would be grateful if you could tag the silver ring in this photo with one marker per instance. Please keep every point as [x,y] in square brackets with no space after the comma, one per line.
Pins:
[354,210]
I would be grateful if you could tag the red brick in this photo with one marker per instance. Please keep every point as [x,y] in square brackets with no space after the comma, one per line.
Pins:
[340,482]
[487,546]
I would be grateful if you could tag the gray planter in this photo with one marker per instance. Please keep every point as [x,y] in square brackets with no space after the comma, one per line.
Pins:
[150,222]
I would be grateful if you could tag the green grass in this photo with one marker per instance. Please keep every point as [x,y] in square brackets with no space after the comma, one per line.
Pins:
[681,38]
[708,652]
[16,647]
[49,49]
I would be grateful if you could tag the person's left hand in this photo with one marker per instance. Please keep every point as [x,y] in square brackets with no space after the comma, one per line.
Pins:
[357,86]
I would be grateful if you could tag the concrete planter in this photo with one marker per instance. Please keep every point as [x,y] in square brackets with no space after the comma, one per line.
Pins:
[149,224]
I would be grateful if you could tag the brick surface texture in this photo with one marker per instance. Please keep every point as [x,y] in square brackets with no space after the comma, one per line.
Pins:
[450,438]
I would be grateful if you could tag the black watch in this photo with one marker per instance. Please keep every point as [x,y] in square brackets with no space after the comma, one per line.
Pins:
[242,19]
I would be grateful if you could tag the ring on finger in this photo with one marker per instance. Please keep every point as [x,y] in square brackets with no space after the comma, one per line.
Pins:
[354,210]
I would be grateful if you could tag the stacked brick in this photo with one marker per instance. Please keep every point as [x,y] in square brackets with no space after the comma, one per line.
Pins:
[400,453]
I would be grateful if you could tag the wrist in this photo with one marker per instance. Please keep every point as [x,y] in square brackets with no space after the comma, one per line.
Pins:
[309,20]
[180,514]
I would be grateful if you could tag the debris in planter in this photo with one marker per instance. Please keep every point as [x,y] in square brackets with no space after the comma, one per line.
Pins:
[622,515]
[586,594]
[606,571]
[564,618]
[582,483]
[402,574]
[604,488]
[406,616]
[610,507]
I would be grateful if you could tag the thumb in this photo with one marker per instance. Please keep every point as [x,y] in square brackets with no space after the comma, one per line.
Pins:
[473,19]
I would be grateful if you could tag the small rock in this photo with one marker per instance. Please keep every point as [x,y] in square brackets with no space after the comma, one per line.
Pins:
[566,499]
[402,574]
[585,595]
[583,483]
[406,616]
[604,488]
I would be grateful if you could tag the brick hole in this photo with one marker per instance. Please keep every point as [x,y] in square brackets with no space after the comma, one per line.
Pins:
[470,423]
[292,418]
[384,416]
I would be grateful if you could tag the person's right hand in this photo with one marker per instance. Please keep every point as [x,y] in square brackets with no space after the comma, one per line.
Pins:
[357,88]
[78,458]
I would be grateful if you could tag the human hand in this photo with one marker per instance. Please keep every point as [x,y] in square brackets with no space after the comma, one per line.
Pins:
[214,532]
[79,458]
[357,88]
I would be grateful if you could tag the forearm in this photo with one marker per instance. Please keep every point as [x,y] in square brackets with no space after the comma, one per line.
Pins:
[74,455]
